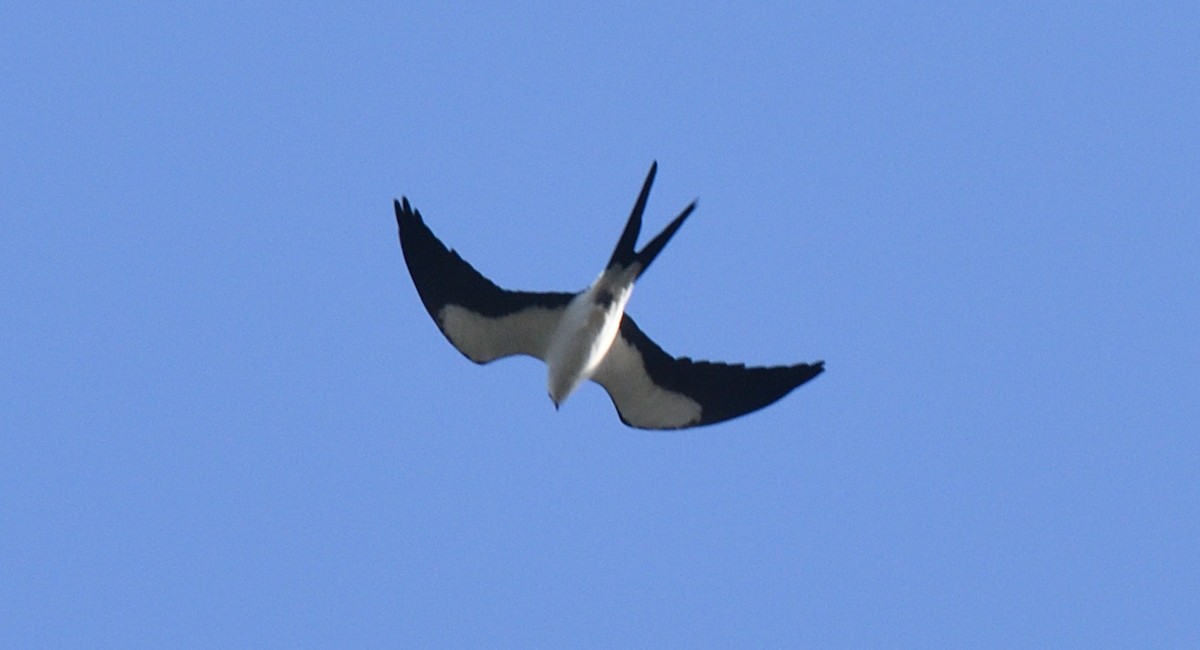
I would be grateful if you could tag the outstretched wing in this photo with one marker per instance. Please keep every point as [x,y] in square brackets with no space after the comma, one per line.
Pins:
[653,390]
[481,320]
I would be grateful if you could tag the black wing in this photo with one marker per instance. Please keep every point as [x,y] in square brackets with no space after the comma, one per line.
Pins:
[483,321]
[653,390]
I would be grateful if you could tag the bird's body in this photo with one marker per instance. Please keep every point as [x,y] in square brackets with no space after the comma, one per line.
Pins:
[587,335]
[586,332]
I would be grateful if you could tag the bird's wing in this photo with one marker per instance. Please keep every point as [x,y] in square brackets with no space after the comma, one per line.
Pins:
[483,321]
[653,390]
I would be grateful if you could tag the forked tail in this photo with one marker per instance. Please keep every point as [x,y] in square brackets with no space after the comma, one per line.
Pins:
[625,254]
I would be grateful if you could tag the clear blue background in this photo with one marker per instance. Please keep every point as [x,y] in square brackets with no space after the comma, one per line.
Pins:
[227,421]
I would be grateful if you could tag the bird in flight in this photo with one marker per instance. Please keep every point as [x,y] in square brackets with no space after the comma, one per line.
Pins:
[588,335]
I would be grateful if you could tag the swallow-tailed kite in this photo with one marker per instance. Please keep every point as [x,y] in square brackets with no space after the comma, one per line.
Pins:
[588,335]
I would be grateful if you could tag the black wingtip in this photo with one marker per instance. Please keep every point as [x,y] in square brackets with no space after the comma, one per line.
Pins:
[403,209]
[810,369]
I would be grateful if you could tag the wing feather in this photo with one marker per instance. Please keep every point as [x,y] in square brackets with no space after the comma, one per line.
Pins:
[653,390]
[481,320]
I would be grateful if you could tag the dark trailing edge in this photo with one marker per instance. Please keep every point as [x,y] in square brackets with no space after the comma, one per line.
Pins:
[443,278]
[722,390]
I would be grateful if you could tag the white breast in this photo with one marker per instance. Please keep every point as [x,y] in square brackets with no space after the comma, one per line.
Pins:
[585,334]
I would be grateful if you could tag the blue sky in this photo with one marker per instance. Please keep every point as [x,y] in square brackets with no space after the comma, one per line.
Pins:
[228,422]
